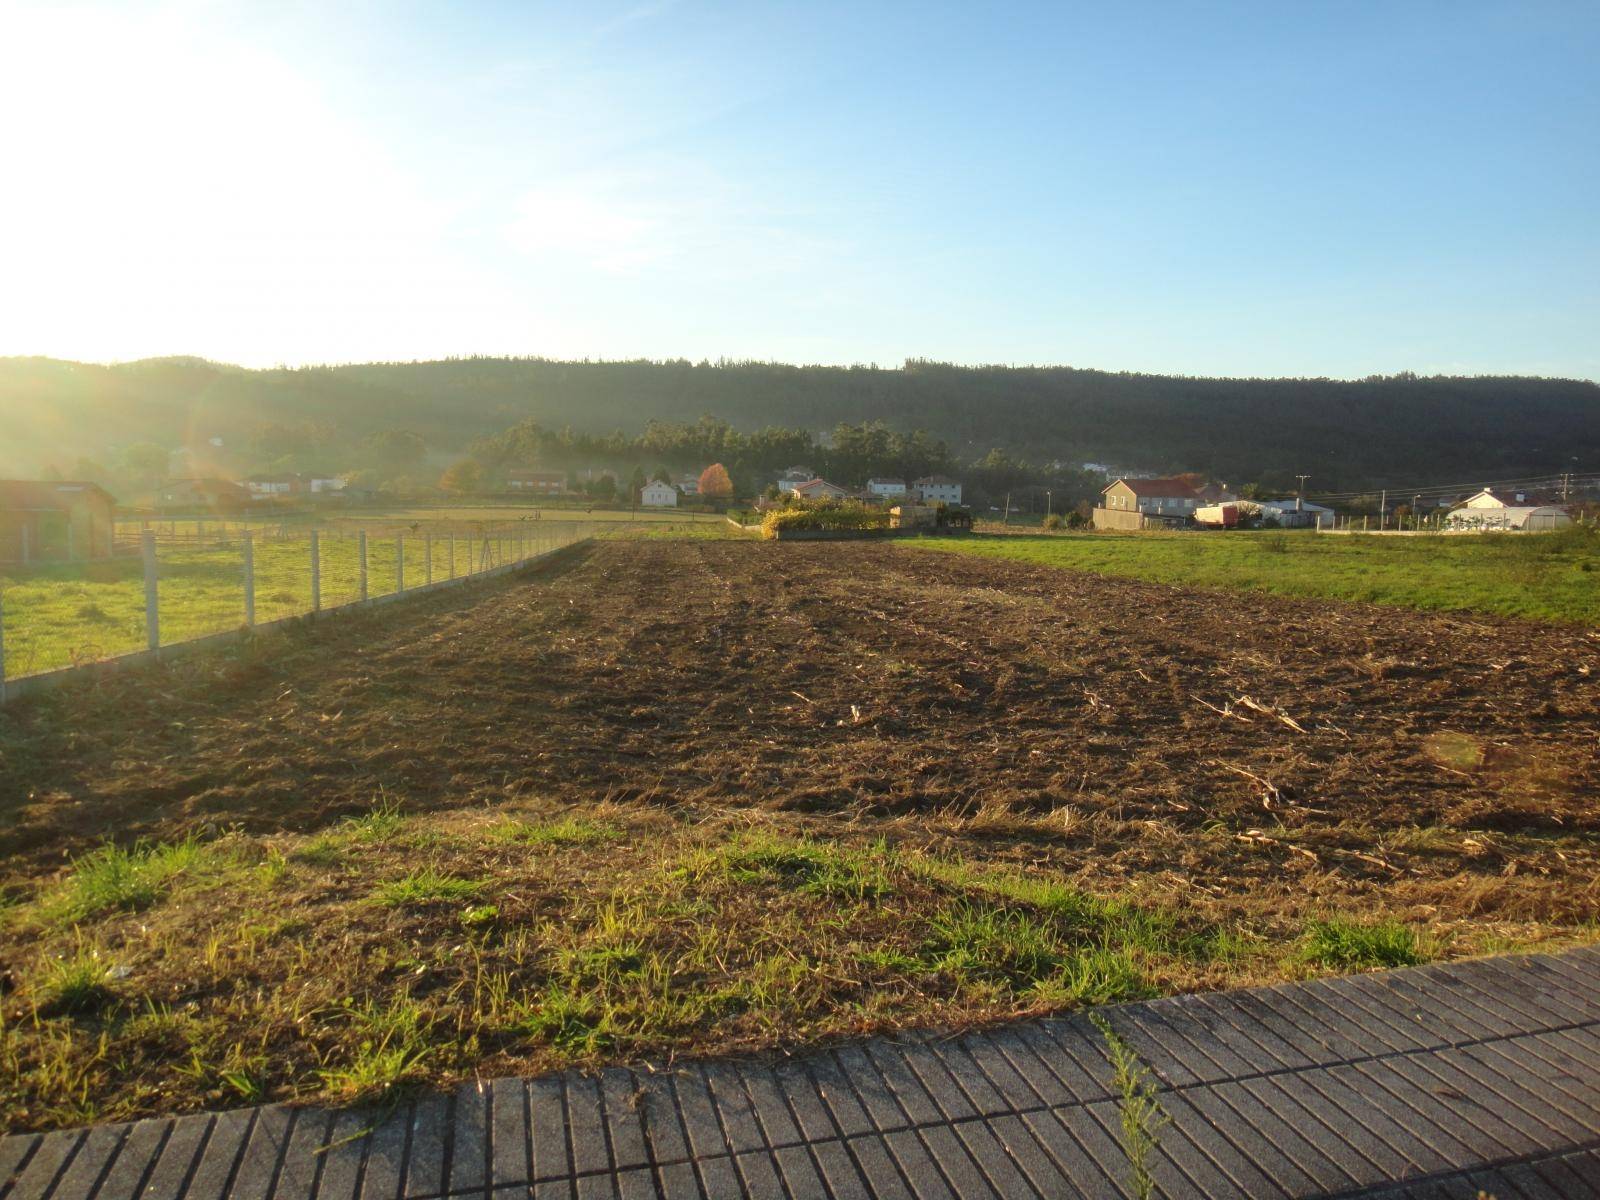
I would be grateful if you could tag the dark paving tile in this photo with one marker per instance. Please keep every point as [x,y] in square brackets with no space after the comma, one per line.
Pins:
[125,1178]
[872,1090]
[917,1166]
[385,1165]
[621,1102]
[341,1161]
[430,1132]
[770,1108]
[878,1167]
[586,1127]
[37,1178]
[734,1109]
[302,1159]
[659,1115]
[82,1175]
[469,1145]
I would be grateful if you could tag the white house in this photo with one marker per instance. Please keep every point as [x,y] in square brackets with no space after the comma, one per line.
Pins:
[937,489]
[794,477]
[819,489]
[1294,513]
[886,488]
[689,485]
[326,483]
[1498,498]
[656,494]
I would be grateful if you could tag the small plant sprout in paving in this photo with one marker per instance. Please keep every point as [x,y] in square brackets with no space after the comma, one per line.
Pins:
[1140,1115]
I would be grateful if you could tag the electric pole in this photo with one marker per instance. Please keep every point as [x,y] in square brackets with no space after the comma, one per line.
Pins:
[1383,508]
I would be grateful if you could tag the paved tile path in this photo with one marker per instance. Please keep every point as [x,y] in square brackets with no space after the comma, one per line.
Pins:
[1440,1081]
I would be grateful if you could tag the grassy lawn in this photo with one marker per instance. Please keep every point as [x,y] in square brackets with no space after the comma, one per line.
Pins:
[59,615]
[1544,577]
[391,948]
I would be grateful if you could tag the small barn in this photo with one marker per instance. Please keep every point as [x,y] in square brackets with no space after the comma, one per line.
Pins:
[53,522]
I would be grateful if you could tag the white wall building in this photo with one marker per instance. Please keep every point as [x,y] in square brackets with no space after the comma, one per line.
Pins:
[656,494]
[886,488]
[937,489]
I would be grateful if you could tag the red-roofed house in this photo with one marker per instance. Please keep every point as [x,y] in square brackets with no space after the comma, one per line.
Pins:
[54,520]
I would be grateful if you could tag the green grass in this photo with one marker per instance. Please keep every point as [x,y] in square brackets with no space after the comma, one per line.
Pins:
[113,878]
[1541,576]
[75,983]
[571,831]
[1343,945]
[62,614]
[426,886]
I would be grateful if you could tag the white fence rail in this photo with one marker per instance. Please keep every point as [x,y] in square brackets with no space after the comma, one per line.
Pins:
[180,589]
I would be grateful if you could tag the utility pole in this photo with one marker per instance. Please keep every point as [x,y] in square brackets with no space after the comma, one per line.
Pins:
[1047,509]
[1006,520]
[1566,485]
[1383,508]
[1416,511]
[1300,496]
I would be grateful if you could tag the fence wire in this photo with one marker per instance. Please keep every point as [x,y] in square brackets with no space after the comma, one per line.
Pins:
[214,577]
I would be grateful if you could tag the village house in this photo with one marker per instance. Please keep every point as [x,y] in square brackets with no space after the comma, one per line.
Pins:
[936,489]
[44,521]
[794,477]
[656,494]
[214,494]
[689,484]
[1295,513]
[270,487]
[1509,509]
[540,483]
[885,489]
[1146,504]
[820,489]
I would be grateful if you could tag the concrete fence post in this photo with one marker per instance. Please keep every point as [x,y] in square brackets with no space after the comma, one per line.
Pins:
[152,603]
[450,544]
[400,564]
[2,647]
[361,554]
[247,543]
[316,572]
[427,558]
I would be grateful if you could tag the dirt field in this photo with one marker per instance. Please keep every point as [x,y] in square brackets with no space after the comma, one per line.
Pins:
[842,744]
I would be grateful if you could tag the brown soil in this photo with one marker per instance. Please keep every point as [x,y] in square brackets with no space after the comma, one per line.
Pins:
[866,682]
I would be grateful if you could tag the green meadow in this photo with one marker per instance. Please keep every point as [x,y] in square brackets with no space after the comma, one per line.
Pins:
[1540,576]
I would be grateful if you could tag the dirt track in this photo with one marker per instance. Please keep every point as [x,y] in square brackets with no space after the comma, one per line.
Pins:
[870,683]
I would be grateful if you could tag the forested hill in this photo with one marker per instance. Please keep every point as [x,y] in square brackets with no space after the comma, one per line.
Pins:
[1346,433]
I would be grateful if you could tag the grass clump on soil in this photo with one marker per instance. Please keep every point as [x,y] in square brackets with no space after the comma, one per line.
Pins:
[1339,944]
[427,886]
[74,983]
[569,831]
[114,878]
[817,868]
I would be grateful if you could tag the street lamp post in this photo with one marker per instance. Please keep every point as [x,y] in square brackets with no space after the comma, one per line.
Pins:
[1047,504]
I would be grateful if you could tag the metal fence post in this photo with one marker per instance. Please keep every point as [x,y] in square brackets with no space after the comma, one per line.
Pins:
[399,564]
[248,543]
[361,553]
[427,557]
[316,572]
[152,603]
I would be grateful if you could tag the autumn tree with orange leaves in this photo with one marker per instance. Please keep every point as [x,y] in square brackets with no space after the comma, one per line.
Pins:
[715,483]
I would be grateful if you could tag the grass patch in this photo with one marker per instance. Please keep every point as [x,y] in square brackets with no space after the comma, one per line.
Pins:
[426,886]
[391,1044]
[570,831]
[1539,576]
[114,878]
[816,868]
[74,984]
[1343,945]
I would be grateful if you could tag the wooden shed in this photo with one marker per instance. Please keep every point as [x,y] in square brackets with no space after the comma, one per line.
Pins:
[42,521]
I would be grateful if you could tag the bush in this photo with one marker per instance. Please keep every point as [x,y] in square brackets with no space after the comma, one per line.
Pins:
[829,516]
[1054,521]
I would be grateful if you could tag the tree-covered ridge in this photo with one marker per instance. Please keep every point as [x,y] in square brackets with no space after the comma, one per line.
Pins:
[1346,433]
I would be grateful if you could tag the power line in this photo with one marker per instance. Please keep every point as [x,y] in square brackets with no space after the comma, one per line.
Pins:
[1567,480]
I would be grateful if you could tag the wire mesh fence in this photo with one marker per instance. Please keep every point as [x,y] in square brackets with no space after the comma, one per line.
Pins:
[172,582]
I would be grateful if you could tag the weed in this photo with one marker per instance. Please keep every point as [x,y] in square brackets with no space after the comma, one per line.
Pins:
[568,1020]
[393,1046]
[74,984]
[815,867]
[1343,945]
[480,916]
[426,886]
[114,879]
[994,945]
[379,823]
[1141,1116]
[571,831]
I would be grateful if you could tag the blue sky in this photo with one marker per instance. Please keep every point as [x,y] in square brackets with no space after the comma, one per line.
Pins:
[1245,189]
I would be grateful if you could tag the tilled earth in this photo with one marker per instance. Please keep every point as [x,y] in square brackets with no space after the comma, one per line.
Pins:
[869,685]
